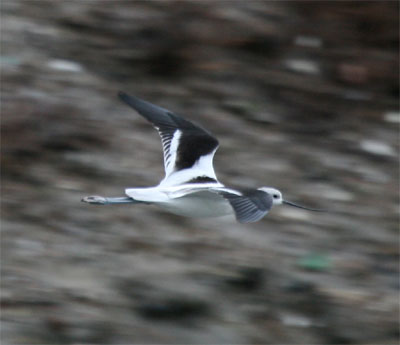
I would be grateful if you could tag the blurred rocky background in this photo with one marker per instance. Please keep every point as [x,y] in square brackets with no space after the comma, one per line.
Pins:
[303,97]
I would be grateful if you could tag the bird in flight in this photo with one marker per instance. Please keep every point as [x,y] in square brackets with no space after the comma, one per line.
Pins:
[190,187]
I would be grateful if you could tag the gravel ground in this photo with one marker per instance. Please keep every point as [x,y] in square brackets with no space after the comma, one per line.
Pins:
[303,96]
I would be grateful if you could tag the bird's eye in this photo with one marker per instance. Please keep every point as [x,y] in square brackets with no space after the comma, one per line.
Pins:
[276,196]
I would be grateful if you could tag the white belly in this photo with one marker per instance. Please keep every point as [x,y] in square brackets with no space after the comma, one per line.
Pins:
[198,205]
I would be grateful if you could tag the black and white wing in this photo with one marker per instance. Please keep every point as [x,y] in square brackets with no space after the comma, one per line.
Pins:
[185,145]
[250,206]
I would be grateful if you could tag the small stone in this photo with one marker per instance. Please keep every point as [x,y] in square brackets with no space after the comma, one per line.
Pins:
[65,65]
[392,117]
[377,147]
[303,66]
[296,320]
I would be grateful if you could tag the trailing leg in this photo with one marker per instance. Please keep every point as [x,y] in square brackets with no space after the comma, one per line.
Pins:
[100,200]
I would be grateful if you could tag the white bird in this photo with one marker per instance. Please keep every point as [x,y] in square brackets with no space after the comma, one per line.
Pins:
[190,187]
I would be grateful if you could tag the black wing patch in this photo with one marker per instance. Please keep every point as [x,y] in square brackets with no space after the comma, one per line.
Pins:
[194,141]
[202,179]
[251,206]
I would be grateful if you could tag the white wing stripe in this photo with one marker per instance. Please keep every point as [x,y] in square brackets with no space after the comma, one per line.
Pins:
[171,152]
[205,163]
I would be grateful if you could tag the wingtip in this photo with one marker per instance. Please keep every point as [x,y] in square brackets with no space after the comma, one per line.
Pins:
[127,99]
[122,95]
[132,101]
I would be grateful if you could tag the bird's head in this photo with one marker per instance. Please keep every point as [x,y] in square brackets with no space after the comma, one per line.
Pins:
[277,198]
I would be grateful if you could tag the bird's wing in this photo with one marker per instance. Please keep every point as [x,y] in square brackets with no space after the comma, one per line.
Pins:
[250,206]
[184,144]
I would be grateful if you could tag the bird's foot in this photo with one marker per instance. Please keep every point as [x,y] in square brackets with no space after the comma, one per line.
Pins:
[95,200]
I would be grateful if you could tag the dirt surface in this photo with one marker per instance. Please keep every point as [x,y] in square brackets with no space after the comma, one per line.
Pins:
[303,96]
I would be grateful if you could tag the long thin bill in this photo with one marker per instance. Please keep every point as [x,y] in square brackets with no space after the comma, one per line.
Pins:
[303,207]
